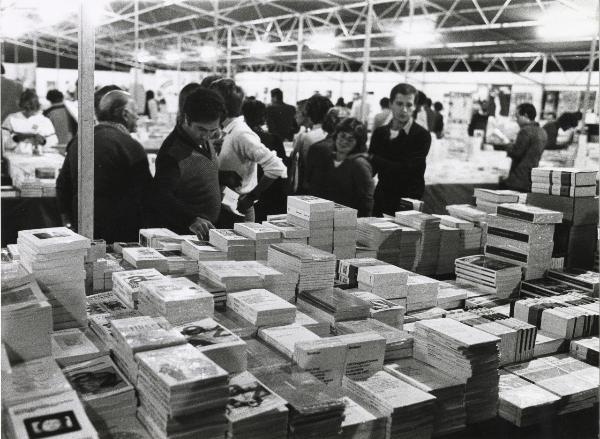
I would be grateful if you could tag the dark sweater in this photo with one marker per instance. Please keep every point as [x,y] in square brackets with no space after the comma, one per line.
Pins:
[121,178]
[281,120]
[525,153]
[478,122]
[272,201]
[186,183]
[400,164]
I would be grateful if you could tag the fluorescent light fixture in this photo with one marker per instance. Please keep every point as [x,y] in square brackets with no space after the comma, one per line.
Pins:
[258,48]
[322,41]
[560,24]
[209,53]
[415,32]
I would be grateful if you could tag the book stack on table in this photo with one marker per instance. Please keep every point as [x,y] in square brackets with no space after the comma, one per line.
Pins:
[398,343]
[332,305]
[127,284]
[202,250]
[488,200]
[381,309]
[382,238]
[429,245]
[236,246]
[289,232]
[586,350]
[314,214]
[490,275]
[344,231]
[564,182]
[263,235]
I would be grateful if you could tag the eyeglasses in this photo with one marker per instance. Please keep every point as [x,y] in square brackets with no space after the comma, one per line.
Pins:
[346,137]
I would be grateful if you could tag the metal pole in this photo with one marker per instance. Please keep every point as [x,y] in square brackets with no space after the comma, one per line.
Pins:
[229,51]
[16,53]
[136,41]
[586,96]
[366,58]
[179,62]
[216,34]
[57,64]
[299,54]
[85,132]
[35,58]
[411,8]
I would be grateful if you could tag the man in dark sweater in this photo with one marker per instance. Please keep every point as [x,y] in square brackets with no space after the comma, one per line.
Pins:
[121,172]
[281,117]
[398,153]
[186,195]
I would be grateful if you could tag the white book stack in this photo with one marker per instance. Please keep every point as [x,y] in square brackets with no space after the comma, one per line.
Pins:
[421,292]
[183,394]
[465,353]
[387,281]
[587,280]
[382,237]
[586,350]
[491,275]
[548,344]
[119,246]
[429,244]
[488,200]
[449,250]
[347,269]
[324,358]
[261,307]
[381,309]
[427,314]
[289,232]
[450,414]
[365,354]
[534,255]
[344,231]
[171,242]
[322,329]
[138,334]
[202,250]
[26,322]
[450,296]
[233,275]
[178,263]
[467,213]
[564,182]
[253,411]
[146,257]
[102,271]
[104,303]
[55,256]
[108,397]
[71,346]
[314,214]
[523,403]
[284,338]
[315,268]
[236,246]
[263,235]
[126,284]
[411,204]
[398,343]
[359,423]
[408,247]
[332,305]
[150,237]
[217,343]
[410,410]
[178,300]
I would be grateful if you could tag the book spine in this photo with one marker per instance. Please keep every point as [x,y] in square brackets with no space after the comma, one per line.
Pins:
[517,214]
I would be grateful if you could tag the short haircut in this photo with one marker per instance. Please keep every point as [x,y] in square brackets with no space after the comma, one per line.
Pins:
[54,96]
[384,102]
[99,94]
[254,112]
[403,89]
[568,120]
[187,90]
[357,129]
[277,93]
[204,105]
[427,102]
[332,119]
[210,79]
[29,100]
[527,109]
[317,107]
[438,106]
[232,95]
[110,108]
[149,94]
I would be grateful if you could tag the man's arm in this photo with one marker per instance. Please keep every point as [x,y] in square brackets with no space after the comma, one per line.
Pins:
[408,164]
[517,150]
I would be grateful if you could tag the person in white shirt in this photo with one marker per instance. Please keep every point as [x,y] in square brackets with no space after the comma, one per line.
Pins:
[384,116]
[242,150]
[28,130]
[357,109]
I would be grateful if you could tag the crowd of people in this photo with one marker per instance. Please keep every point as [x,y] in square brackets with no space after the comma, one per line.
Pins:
[219,141]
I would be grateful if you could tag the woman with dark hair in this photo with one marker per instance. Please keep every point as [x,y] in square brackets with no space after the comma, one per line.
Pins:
[151,107]
[344,174]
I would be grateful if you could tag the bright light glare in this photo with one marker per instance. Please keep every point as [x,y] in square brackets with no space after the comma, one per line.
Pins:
[564,24]
[144,56]
[209,53]
[13,24]
[323,41]
[53,12]
[173,56]
[258,48]
[418,33]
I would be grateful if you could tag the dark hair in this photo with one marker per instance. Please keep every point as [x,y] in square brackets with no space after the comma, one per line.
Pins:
[527,109]
[254,112]
[357,129]
[99,94]
[438,106]
[54,96]
[187,90]
[317,107]
[204,105]
[427,102]
[277,93]
[403,89]
[232,95]
[29,100]
[332,119]
[384,102]
[577,116]
[111,105]
[484,106]
[340,102]
[209,80]
[2,71]
[149,95]
[568,120]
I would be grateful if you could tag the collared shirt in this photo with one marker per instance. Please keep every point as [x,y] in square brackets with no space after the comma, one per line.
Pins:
[242,150]
[405,128]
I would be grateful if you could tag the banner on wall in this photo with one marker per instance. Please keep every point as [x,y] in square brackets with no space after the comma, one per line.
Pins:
[500,100]
[22,72]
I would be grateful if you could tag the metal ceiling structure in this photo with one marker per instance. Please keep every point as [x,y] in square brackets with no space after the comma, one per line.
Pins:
[474,35]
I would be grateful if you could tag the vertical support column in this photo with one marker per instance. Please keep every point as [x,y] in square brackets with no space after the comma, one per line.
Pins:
[57,64]
[136,42]
[366,58]
[85,134]
[35,57]
[216,34]
[179,62]
[16,53]
[586,95]
[411,13]
[544,71]
[229,30]
[299,54]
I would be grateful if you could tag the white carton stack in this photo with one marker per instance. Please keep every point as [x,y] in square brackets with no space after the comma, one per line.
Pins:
[344,231]
[488,200]
[382,237]
[150,237]
[289,232]
[126,284]
[429,244]
[237,246]
[314,214]
[263,235]
[387,281]
[565,182]
[202,250]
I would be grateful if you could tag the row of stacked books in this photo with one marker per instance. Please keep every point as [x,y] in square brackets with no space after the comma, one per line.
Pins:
[488,200]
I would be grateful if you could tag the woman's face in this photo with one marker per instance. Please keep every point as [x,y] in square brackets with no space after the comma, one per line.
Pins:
[345,143]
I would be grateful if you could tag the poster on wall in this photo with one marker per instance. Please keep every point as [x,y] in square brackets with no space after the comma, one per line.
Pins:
[22,72]
[549,105]
[499,100]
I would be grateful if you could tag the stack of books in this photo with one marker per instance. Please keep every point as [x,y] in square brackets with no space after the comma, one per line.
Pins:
[467,213]
[488,200]
[315,268]
[150,237]
[411,204]
[344,231]
[322,329]
[146,257]
[261,354]
[172,242]
[178,263]
[347,269]
[55,256]
[410,410]
[547,287]
[524,249]
[106,394]
[311,408]
[398,343]
[523,403]
[450,414]
[450,245]
[253,411]
[381,237]
[587,280]
[408,247]
[465,353]
[289,232]
[564,182]
[217,343]
[236,246]
[387,281]
[586,350]
[74,345]
[365,354]
[233,275]
[102,271]
[469,234]
[126,284]
[421,292]
[450,296]
[138,334]
[314,214]
[182,393]
[284,338]
[119,246]
[332,305]
[381,309]
[429,244]
[324,358]
[26,322]
[261,307]
[202,250]
[263,235]
[488,274]
[359,423]
[178,300]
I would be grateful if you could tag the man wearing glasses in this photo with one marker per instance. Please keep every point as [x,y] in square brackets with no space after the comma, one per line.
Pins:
[186,194]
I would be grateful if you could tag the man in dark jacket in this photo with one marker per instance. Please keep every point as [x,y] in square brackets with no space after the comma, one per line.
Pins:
[281,117]
[64,124]
[527,149]
[121,172]
[398,153]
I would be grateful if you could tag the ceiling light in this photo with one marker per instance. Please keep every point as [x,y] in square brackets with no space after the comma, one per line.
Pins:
[561,24]
[143,56]
[173,56]
[209,53]
[322,41]
[258,48]
[415,32]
